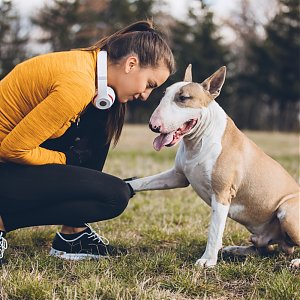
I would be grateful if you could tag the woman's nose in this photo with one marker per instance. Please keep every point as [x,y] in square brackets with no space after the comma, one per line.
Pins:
[144,96]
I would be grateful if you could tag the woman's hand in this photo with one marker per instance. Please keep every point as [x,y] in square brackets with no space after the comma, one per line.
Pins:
[78,154]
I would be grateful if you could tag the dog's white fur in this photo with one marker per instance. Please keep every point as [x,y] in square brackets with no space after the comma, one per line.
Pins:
[228,171]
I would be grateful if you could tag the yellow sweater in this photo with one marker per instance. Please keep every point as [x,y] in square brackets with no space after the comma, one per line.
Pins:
[39,99]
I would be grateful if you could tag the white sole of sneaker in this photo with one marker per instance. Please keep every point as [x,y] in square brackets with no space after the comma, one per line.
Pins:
[73,256]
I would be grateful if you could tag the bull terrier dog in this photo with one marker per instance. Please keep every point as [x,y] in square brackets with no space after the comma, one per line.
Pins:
[226,169]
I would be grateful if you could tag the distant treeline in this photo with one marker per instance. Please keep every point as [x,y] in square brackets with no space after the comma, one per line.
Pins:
[262,86]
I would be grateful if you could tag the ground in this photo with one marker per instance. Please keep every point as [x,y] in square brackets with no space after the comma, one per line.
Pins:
[165,232]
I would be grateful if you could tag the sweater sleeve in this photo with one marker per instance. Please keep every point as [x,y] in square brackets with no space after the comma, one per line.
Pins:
[65,100]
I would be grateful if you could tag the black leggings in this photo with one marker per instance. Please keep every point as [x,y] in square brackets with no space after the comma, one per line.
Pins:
[69,195]
[58,194]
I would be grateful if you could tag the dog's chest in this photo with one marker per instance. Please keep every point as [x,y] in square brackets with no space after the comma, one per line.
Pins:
[198,167]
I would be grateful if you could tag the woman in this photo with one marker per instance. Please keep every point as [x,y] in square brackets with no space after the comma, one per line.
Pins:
[54,142]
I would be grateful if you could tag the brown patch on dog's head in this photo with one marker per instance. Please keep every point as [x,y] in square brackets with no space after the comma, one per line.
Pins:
[197,95]
[192,95]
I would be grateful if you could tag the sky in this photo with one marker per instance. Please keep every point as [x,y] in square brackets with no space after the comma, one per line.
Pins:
[177,7]
[221,9]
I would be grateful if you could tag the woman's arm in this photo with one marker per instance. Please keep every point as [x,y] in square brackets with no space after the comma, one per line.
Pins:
[66,99]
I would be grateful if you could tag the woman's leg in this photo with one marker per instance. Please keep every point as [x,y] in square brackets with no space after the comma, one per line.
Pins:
[91,135]
[58,194]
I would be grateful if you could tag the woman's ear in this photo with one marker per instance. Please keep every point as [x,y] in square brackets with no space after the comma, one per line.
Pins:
[130,63]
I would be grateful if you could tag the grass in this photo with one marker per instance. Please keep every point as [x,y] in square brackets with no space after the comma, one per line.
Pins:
[165,232]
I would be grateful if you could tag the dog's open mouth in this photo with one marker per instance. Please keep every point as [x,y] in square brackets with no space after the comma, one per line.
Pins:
[171,138]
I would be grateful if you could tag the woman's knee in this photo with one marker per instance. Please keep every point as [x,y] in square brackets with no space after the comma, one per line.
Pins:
[122,195]
[109,192]
[112,196]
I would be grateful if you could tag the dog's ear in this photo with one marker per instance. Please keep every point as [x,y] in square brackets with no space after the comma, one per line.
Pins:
[188,74]
[214,83]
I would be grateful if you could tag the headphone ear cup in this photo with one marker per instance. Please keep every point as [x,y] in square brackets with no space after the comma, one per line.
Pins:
[111,94]
[107,102]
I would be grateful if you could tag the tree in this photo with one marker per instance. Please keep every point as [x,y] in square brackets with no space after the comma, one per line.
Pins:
[60,23]
[70,24]
[265,84]
[12,43]
[281,53]
[194,41]
[244,101]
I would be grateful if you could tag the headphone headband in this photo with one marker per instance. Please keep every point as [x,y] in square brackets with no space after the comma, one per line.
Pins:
[106,95]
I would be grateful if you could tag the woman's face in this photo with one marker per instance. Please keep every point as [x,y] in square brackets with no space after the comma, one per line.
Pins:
[131,82]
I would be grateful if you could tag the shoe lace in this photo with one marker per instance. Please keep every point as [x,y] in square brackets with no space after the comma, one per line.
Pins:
[3,245]
[97,237]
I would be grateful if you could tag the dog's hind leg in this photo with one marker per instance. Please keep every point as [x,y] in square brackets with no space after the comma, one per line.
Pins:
[240,250]
[247,250]
[289,217]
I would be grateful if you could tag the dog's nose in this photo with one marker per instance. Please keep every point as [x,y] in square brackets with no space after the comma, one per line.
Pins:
[154,128]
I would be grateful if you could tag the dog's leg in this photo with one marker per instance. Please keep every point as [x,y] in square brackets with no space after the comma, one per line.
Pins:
[215,234]
[240,250]
[167,180]
[289,217]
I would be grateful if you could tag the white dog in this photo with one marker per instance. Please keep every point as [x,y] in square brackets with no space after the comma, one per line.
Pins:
[227,170]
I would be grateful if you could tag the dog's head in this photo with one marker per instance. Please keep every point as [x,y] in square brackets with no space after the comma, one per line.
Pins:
[182,106]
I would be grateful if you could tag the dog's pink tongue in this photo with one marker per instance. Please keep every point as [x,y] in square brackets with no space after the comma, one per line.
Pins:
[162,140]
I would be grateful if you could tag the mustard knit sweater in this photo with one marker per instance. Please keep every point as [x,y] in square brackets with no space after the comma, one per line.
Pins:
[39,99]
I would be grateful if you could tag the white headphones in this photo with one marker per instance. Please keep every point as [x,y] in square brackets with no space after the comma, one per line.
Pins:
[106,95]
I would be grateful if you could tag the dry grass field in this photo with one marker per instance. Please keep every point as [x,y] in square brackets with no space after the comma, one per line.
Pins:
[165,233]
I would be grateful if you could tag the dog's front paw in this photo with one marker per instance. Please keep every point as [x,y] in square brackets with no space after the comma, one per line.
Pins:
[206,262]
[295,263]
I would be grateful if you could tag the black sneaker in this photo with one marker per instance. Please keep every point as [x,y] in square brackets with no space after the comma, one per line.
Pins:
[3,245]
[84,245]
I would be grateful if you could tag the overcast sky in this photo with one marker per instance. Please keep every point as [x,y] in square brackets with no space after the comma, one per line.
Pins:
[177,7]
[221,9]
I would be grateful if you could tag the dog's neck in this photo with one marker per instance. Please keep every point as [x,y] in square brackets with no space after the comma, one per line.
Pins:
[209,129]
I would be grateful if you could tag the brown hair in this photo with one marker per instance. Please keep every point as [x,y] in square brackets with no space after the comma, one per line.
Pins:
[143,40]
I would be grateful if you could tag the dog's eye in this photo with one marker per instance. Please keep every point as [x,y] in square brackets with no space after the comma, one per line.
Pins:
[183,98]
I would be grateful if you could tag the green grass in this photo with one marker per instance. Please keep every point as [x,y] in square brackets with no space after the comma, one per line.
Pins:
[165,232]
